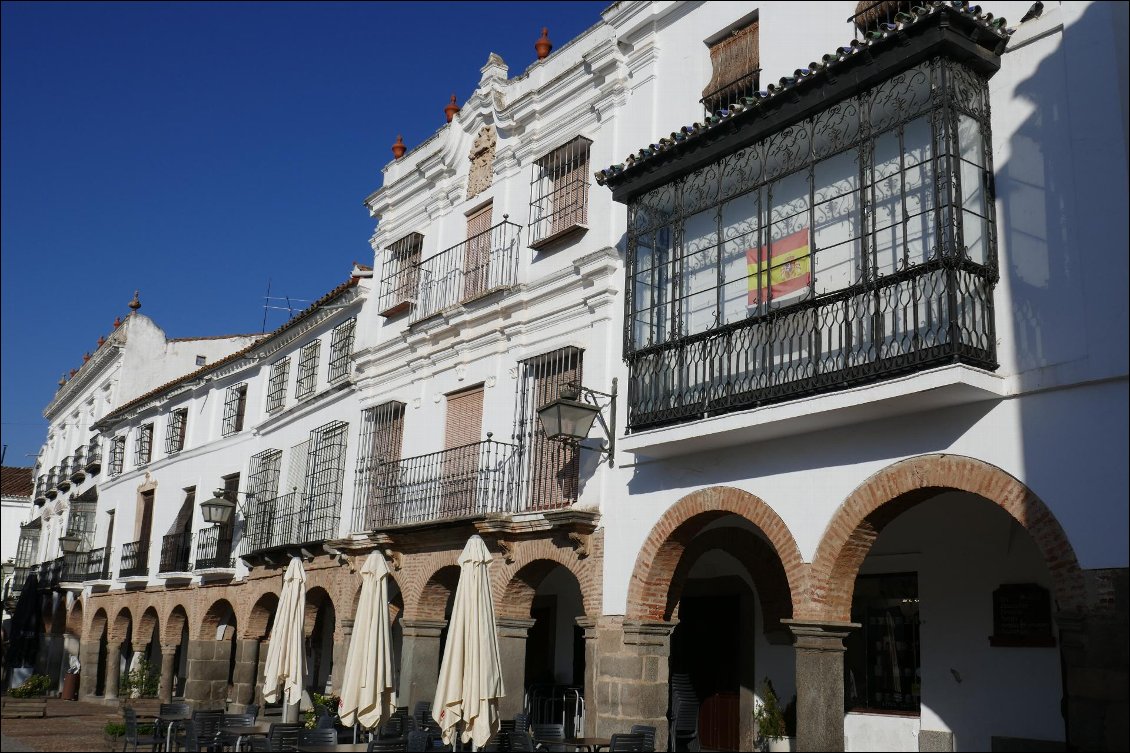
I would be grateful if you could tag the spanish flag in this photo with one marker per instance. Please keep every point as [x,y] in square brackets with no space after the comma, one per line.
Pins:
[787,271]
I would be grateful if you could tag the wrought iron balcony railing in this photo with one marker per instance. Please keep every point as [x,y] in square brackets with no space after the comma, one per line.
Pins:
[214,548]
[41,489]
[288,519]
[475,479]
[479,265]
[19,577]
[65,474]
[176,553]
[135,559]
[94,456]
[78,467]
[53,483]
[98,564]
[732,93]
[74,568]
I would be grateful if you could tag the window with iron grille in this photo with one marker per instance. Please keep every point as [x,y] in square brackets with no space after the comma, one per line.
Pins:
[143,446]
[552,468]
[265,519]
[235,405]
[276,386]
[559,192]
[382,433]
[401,275]
[325,476]
[117,455]
[307,370]
[735,60]
[80,522]
[341,348]
[28,546]
[175,431]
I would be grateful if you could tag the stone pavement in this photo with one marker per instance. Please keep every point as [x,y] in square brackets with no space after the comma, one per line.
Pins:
[69,726]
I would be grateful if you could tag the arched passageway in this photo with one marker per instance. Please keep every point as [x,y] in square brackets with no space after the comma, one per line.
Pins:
[174,654]
[319,626]
[423,635]
[253,650]
[542,647]
[211,662]
[92,656]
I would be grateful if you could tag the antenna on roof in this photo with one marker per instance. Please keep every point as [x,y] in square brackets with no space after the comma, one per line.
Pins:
[265,299]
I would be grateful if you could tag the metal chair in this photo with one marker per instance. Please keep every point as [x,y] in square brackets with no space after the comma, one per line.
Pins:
[134,737]
[252,710]
[648,733]
[189,741]
[280,736]
[227,739]
[208,725]
[684,727]
[318,736]
[546,736]
[387,745]
[521,742]
[422,711]
[627,742]
[522,722]
[417,741]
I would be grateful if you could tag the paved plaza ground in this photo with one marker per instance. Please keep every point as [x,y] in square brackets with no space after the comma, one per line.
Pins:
[69,726]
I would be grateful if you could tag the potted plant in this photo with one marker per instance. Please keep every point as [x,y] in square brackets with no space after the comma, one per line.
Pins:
[776,725]
[28,700]
[138,688]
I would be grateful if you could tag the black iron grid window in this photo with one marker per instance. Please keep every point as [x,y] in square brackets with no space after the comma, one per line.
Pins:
[135,559]
[117,455]
[341,349]
[559,192]
[484,263]
[175,431]
[262,486]
[98,564]
[214,547]
[399,285]
[143,445]
[382,435]
[324,483]
[27,547]
[176,552]
[235,407]
[854,245]
[551,468]
[276,385]
[307,370]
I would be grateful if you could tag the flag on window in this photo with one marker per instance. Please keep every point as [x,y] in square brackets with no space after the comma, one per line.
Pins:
[783,273]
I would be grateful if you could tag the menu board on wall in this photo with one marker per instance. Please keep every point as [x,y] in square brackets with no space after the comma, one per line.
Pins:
[1022,616]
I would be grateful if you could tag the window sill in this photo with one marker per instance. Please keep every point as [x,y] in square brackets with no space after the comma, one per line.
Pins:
[560,235]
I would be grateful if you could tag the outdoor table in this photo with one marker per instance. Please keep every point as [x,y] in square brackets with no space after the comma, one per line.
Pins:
[339,748]
[593,744]
[241,732]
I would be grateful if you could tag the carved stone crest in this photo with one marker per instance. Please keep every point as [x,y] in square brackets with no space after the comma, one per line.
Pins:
[482,162]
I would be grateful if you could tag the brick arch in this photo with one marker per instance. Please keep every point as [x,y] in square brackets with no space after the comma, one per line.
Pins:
[122,625]
[430,602]
[316,600]
[174,625]
[145,628]
[213,618]
[260,618]
[74,618]
[98,624]
[758,558]
[898,487]
[662,550]
[514,584]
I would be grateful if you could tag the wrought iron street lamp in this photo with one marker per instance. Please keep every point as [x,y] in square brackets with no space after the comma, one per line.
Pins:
[219,509]
[570,417]
[70,543]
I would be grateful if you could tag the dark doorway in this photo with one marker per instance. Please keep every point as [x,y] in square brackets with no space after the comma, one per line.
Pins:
[705,649]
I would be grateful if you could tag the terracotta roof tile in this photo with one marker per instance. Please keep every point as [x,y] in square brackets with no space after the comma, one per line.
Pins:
[15,482]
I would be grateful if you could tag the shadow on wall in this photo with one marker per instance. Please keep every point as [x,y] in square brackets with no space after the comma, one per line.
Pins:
[857,444]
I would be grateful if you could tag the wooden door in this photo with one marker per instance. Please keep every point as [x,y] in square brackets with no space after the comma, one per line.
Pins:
[476,259]
[460,466]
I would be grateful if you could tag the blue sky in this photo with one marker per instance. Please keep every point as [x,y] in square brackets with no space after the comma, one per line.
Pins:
[196,150]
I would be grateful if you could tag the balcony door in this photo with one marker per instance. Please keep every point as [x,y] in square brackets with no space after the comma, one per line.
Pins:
[459,469]
[476,259]
[144,520]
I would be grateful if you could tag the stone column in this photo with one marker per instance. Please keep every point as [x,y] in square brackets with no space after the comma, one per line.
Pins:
[644,688]
[257,694]
[419,661]
[203,670]
[342,637]
[246,670]
[88,665]
[592,708]
[512,635]
[113,668]
[165,691]
[819,650]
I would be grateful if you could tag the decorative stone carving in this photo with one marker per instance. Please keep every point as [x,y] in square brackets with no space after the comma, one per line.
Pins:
[507,548]
[395,559]
[482,162]
[580,542]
